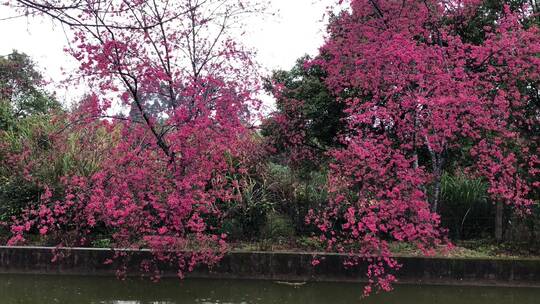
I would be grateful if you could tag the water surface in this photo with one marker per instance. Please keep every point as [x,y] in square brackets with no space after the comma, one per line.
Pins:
[33,289]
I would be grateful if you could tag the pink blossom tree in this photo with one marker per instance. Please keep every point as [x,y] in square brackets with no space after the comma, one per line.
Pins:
[415,91]
[190,88]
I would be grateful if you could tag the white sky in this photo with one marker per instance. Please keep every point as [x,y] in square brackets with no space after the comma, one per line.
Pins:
[297,29]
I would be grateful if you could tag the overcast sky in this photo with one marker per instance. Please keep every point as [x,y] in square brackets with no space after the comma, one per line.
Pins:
[297,29]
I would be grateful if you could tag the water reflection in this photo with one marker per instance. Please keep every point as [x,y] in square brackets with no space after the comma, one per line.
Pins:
[134,302]
[29,289]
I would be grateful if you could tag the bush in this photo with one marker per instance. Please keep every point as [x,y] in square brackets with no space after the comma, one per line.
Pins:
[295,194]
[524,231]
[465,209]
[247,215]
[310,243]
[277,226]
[39,152]
[273,202]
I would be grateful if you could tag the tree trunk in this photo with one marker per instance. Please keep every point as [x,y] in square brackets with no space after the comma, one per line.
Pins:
[499,210]
[437,163]
[436,189]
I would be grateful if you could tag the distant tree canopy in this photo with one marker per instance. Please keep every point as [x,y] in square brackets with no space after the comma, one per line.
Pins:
[21,90]
[304,104]
[323,114]
[24,126]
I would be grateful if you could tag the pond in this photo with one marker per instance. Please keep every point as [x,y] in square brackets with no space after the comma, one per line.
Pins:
[33,289]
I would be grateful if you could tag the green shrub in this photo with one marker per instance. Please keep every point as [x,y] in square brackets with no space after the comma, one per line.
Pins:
[40,152]
[465,208]
[247,216]
[277,226]
[294,194]
[310,243]
[101,243]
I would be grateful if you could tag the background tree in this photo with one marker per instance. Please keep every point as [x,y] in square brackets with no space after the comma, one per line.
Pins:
[302,99]
[21,90]
[25,111]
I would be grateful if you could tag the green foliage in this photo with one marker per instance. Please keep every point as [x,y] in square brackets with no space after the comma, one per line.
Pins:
[463,190]
[273,203]
[465,209]
[290,186]
[248,215]
[21,90]
[322,113]
[295,194]
[25,119]
[490,10]
[277,226]
[309,243]
[40,151]
[101,243]
[25,123]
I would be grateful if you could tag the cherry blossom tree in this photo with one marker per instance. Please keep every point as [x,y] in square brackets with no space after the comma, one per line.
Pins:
[415,92]
[190,87]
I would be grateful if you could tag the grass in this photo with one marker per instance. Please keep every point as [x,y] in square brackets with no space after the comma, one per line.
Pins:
[483,248]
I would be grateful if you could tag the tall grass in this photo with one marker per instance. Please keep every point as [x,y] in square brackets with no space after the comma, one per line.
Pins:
[465,208]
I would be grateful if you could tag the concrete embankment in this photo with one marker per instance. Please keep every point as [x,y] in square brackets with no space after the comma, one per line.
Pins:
[282,266]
